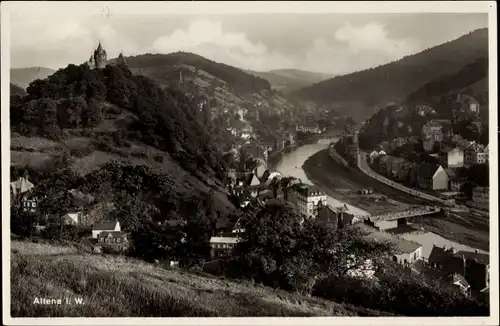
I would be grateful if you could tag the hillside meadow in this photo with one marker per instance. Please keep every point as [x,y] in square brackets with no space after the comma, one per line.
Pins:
[114,286]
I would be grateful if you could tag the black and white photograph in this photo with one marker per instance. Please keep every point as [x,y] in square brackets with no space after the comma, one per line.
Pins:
[249,159]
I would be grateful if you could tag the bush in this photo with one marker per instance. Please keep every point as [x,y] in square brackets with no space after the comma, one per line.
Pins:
[401,295]
[159,158]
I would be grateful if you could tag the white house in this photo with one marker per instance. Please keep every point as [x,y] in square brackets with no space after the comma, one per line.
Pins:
[223,243]
[374,155]
[74,218]
[108,226]
[308,198]
[452,159]
[408,252]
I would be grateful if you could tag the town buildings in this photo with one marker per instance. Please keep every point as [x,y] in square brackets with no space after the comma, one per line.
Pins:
[475,153]
[473,266]
[452,158]
[308,199]
[390,166]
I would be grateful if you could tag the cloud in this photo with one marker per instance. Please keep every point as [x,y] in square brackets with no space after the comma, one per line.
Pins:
[373,37]
[209,39]
[57,41]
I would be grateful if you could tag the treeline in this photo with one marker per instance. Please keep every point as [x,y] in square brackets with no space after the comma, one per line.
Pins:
[73,98]
[236,79]
[467,76]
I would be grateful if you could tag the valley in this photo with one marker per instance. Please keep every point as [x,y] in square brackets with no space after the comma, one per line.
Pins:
[180,186]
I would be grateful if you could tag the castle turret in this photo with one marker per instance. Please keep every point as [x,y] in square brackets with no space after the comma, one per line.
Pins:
[100,57]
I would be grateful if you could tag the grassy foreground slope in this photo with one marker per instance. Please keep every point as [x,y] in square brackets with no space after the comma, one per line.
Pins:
[113,286]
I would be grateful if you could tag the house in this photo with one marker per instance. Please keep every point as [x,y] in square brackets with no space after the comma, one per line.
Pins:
[338,217]
[114,239]
[451,159]
[22,185]
[474,266]
[431,133]
[461,283]
[74,218]
[29,202]
[457,177]
[481,197]
[308,199]
[397,142]
[406,252]
[373,155]
[471,104]
[108,226]
[431,176]
[404,173]
[384,165]
[423,110]
[475,154]
[223,244]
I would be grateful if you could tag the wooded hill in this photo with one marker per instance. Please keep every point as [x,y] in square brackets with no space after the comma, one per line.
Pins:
[394,81]
[164,69]
[440,94]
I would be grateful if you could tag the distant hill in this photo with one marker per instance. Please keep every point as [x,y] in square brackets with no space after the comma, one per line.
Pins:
[164,69]
[471,79]
[16,90]
[22,77]
[288,80]
[362,91]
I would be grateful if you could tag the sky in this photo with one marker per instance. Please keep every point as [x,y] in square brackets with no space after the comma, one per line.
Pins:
[328,43]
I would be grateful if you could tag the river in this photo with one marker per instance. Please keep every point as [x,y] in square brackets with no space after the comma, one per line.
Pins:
[291,163]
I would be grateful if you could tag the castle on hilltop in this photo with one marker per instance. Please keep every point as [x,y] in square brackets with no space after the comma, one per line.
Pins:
[99,58]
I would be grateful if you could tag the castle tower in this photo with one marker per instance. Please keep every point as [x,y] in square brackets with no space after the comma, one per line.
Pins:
[100,57]
[121,60]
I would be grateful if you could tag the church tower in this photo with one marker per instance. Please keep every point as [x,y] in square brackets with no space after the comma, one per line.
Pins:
[100,57]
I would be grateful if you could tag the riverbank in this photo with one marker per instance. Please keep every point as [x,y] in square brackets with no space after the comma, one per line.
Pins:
[338,181]
[344,182]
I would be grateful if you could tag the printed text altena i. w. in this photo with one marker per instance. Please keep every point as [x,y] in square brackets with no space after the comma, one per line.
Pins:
[63,301]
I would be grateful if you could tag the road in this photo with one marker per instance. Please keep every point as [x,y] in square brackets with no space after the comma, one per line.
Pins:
[366,169]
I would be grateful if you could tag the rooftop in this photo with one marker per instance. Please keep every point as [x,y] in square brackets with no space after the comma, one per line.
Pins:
[105,226]
[403,245]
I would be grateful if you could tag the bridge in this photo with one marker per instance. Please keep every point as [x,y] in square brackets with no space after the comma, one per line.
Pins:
[401,217]
[327,140]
